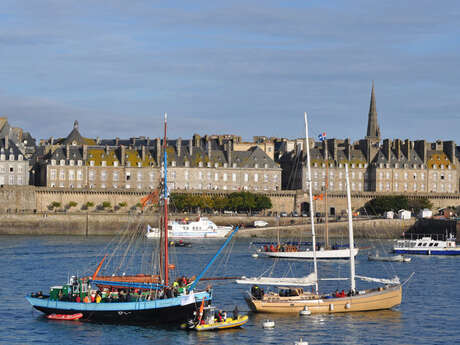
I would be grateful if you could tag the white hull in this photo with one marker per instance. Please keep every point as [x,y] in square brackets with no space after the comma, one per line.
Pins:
[308,254]
[190,234]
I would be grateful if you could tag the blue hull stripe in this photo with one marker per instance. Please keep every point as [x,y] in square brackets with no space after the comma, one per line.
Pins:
[427,252]
[119,306]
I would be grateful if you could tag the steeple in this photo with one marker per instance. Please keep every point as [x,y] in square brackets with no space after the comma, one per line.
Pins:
[373,129]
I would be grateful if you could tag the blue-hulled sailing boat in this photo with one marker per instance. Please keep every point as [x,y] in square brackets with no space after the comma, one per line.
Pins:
[142,298]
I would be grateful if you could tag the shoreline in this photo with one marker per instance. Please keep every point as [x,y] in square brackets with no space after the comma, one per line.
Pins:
[107,224]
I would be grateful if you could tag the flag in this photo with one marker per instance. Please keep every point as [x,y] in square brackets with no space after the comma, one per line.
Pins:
[319,196]
[322,136]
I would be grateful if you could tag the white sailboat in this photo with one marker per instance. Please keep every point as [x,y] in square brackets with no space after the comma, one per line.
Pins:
[293,300]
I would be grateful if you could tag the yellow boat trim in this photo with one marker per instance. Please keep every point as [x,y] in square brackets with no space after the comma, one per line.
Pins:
[228,323]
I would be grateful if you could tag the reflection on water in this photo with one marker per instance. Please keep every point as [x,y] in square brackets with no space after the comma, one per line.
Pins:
[32,264]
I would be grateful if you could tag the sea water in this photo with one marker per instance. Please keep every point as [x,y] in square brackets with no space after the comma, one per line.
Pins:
[429,312]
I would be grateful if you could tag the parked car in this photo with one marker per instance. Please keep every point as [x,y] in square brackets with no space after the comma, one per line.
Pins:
[295,214]
[260,223]
[283,214]
[304,214]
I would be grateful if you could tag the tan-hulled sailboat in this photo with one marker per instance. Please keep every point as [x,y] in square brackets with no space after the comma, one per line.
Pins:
[294,299]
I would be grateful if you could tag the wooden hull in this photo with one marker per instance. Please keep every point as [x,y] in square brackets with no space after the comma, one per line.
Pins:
[376,299]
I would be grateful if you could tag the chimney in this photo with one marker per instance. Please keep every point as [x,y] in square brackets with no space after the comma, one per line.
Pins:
[52,141]
[148,141]
[7,142]
[196,140]
[208,147]
[347,149]
[107,150]
[158,142]
[117,140]
[190,146]
[420,148]
[449,150]
[143,153]
[179,144]
[85,152]
[407,148]
[397,143]
[67,152]
[229,153]
[123,154]
[387,148]
[334,149]
[133,141]
[98,140]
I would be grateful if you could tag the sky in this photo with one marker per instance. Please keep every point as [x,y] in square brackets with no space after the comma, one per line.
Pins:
[238,67]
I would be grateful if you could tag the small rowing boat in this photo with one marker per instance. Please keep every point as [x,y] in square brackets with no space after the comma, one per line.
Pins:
[391,258]
[65,316]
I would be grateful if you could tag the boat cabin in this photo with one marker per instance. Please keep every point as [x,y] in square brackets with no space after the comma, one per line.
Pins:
[289,292]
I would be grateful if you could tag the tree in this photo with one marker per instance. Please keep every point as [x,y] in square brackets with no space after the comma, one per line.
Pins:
[381,204]
[71,204]
[106,204]
[122,204]
[418,204]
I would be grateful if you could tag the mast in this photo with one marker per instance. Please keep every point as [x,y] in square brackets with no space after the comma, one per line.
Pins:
[312,208]
[165,207]
[326,232]
[350,233]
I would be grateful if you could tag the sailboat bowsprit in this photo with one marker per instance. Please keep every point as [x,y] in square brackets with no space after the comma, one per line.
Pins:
[294,299]
[139,298]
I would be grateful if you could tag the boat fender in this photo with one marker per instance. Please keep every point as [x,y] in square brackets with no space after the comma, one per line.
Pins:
[331,307]
[305,311]
[347,306]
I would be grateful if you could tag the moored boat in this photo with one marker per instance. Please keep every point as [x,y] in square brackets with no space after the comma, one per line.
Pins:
[389,258]
[295,299]
[185,228]
[427,246]
[146,298]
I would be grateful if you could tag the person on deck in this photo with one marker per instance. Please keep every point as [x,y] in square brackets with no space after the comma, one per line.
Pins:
[78,299]
[235,313]
[98,298]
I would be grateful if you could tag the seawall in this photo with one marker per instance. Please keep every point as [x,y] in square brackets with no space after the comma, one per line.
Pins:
[82,224]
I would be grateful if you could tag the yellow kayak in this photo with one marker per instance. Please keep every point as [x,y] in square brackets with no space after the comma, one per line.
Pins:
[227,323]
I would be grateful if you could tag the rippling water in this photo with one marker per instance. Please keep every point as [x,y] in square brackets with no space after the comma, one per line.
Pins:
[428,315]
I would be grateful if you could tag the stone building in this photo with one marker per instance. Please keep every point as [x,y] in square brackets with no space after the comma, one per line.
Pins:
[201,163]
[393,166]
[16,150]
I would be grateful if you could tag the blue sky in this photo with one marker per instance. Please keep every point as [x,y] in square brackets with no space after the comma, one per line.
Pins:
[241,67]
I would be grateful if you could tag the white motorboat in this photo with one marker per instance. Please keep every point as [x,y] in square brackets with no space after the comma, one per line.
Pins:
[185,228]
[428,246]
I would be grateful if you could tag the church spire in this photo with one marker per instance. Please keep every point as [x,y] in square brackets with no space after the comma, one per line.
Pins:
[373,129]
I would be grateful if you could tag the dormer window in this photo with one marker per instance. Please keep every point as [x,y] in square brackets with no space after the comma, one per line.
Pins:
[20,157]
[200,164]
[209,164]
[62,162]
[173,163]
[53,161]
[11,158]
[381,165]
[115,163]
[256,165]
[187,164]
[225,165]
[91,163]
[72,162]
[139,164]
[442,166]
[434,166]
[216,165]
[104,163]
[234,165]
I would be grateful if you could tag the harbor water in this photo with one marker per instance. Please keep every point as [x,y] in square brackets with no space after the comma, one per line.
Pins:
[428,314]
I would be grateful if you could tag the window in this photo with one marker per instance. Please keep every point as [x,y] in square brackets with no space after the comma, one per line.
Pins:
[62,162]
[103,175]
[115,176]
[115,164]
[186,174]
[245,177]
[79,175]
[91,163]
[91,175]
[265,178]
[71,175]
[62,174]
[234,177]
[21,182]
[11,179]
[52,174]
[200,175]
[79,163]
[405,175]
[256,177]
[216,176]
[71,162]
[139,176]
[224,177]
[104,163]
[152,176]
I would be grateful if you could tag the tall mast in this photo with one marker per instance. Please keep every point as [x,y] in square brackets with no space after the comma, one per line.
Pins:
[326,233]
[312,208]
[165,198]
[350,233]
